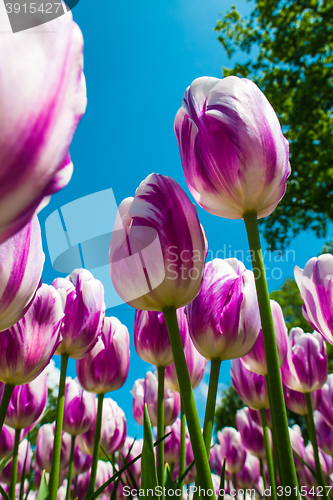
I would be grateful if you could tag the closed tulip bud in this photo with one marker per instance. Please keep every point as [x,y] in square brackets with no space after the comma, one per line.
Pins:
[32,340]
[250,386]
[256,416]
[233,152]
[38,120]
[173,254]
[326,403]
[79,408]
[138,404]
[113,430]
[24,453]
[105,367]
[130,450]
[309,459]
[27,403]
[232,449]
[255,360]
[297,444]
[22,261]
[7,439]
[324,433]
[44,447]
[314,283]
[295,401]
[82,461]
[172,442]
[196,363]
[248,476]
[104,472]
[84,312]
[252,434]
[224,320]
[305,369]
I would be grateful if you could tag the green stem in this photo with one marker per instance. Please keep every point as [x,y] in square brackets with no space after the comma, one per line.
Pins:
[7,394]
[278,409]
[269,460]
[262,473]
[276,462]
[313,439]
[92,481]
[160,425]
[197,441]
[70,469]
[75,488]
[55,466]
[182,451]
[234,481]
[211,401]
[13,477]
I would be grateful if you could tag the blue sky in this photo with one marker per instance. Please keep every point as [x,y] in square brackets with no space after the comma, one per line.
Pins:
[139,59]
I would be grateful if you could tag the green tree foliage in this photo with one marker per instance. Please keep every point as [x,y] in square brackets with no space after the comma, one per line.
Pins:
[290,47]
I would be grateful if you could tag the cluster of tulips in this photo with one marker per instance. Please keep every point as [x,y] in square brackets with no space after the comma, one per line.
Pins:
[235,161]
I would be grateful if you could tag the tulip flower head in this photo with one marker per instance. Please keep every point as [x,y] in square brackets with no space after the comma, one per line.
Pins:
[131,449]
[324,433]
[7,439]
[250,386]
[24,453]
[295,401]
[232,449]
[79,408]
[172,442]
[297,444]
[326,402]
[44,448]
[82,461]
[157,261]
[305,369]
[224,319]
[252,434]
[248,476]
[233,152]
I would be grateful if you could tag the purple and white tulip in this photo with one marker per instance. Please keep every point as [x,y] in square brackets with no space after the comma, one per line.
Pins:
[79,408]
[248,476]
[297,444]
[305,369]
[172,442]
[84,312]
[105,367]
[233,152]
[251,433]
[324,433]
[295,401]
[326,403]
[104,472]
[22,261]
[315,286]
[38,119]
[82,461]
[224,320]
[256,416]
[255,360]
[24,452]
[44,448]
[231,449]
[155,263]
[250,386]
[27,347]
[7,439]
[136,449]
[27,403]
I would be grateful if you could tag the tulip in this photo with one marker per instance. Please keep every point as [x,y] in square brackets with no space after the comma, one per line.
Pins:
[326,403]
[82,461]
[255,360]
[297,444]
[44,447]
[38,119]
[305,369]
[145,392]
[22,260]
[324,433]
[314,283]
[255,415]
[38,474]
[79,409]
[306,476]
[104,472]
[172,442]
[233,152]
[84,312]
[231,449]
[173,254]
[296,402]
[105,367]
[113,430]
[24,452]
[250,386]
[248,476]
[7,437]
[130,450]
[27,403]
[224,319]
[32,340]
[252,434]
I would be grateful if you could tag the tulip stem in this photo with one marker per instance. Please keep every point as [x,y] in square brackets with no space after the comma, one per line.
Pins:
[70,469]
[313,439]
[7,394]
[215,365]
[13,477]
[269,460]
[182,450]
[160,425]
[197,441]
[278,408]
[92,481]
[262,473]
[75,487]
[55,466]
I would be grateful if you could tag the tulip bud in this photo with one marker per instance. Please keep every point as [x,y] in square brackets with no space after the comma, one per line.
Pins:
[105,367]
[305,369]
[24,453]
[44,447]
[248,476]
[84,312]
[326,403]
[256,416]
[295,401]
[7,439]
[233,153]
[38,120]
[155,263]
[27,403]
[82,461]
[79,408]
[250,386]
[104,472]
[297,444]
[172,442]
[232,449]
[224,319]
[136,449]
[33,339]
[252,434]
[255,360]
[324,433]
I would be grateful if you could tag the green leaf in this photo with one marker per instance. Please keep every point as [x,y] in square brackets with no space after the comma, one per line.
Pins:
[43,492]
[148,462]
[168,483]
[220,497]
[3,493]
